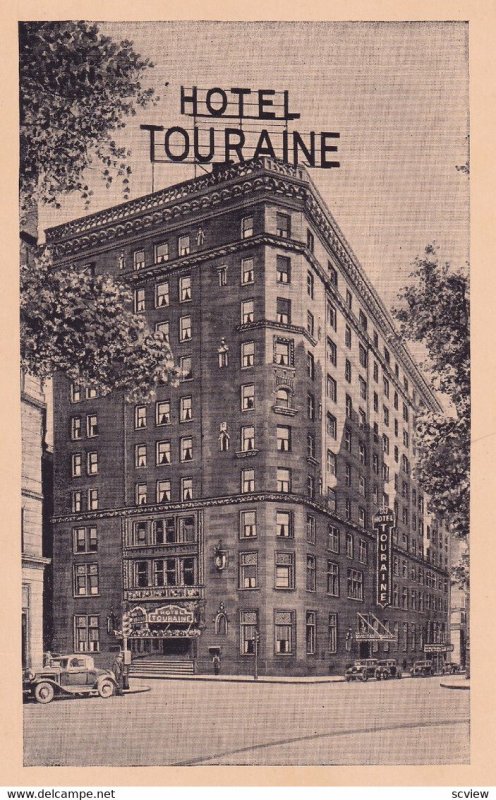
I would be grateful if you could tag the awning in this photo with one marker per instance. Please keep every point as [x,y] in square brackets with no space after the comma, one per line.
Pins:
[371,629]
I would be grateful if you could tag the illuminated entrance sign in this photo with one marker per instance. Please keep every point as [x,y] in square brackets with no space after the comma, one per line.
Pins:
[226,144]
[171,614]
[384,524]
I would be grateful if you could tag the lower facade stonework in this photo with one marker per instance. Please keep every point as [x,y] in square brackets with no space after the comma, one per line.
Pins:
[284,584]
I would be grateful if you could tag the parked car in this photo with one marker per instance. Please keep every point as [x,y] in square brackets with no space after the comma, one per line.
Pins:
[68,675]
[388,668]
[421,669]
[452,669]
[361,670]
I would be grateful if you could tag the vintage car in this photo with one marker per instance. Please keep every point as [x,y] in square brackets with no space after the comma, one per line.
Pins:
[361,670]
[388,668]
[68,675]
[421,669]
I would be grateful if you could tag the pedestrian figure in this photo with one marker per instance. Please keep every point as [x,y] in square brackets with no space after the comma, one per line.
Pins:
[118,670]
[404,664]
[216,663]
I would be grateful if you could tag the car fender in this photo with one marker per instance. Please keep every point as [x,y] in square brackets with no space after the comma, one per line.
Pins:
[58,689]
[107,676]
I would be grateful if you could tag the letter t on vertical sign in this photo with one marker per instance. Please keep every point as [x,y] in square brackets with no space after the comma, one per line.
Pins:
[383,525]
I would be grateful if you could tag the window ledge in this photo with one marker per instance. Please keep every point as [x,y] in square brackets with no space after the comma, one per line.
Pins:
[288,412]
[246,453]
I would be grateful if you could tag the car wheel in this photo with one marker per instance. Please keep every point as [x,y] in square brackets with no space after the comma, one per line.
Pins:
[365,677]
[106,689]
[378,676]
[44,692]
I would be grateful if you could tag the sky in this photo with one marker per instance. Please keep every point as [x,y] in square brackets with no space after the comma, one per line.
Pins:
[396,92]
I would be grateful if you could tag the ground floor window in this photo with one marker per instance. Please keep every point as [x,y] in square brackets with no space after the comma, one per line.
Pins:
[248,624]
[86,634]
[333,633]
[284,632]
[311,632]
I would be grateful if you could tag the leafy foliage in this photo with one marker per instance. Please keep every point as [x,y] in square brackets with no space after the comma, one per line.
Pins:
[83,326]
[76,86]
[435,311]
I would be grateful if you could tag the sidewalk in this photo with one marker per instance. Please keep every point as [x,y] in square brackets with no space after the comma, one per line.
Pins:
[244,678]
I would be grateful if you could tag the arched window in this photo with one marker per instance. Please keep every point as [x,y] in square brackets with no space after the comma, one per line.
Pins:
[224,442]
[282,397]
[221,624]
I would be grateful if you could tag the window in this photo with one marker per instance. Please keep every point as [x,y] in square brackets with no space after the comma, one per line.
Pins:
[247,273]
[347,440]
[362,485]
[222,275]
[331,315]
[163,328]
[333,274]
[347,371]
[405,412]
[362,453]
[92,463]
[363,388]
[247,396]
[163,453]
[85,540]
[333,633]
[284,570]
[183,246]
[283,266]
[362,320]
[140,533]
[385,443]
[311,531]
[362,517]
[348,474]
[284,632]
[310,406]
[185,288]
[185,409]
[248,629]
[331,425]
[331,462]
[140,416]
[284,526]
[347,336]
[86,634]
[247,311]
[283,479]
[362,354]
[376,371]
[161,252]
[332,579]
[246,227]
[396,453]
[362,551]
[406,439]
[140,455]
[310,324]
[332,352]
[162,294]
[186,368]
[349,299]
[91,426]
[186,448]
[247,438]
[310,365]
[76,465]
[85,580]
[349,406]
[283,310]
[139,259]
[92,499]
[76,501]
[139,300]
[247,480]
[283,225]
[311,486]
[283,438]
[385,473]
[333,538]
[310,241]
[355,584]
[310,284]
[75,393]
[283,351]
[387,356]
[185,328]
[349,545]
[375,463]
[282,397]
[247,524]
[90,393]
[331,388]
[310,446]
[162,412]
[248,570]
[76,428]
[396,401]
[247,354]
[141,494]
[186,489]
[163,491]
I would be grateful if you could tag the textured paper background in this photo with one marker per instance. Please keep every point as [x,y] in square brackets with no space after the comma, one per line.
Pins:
[482,771]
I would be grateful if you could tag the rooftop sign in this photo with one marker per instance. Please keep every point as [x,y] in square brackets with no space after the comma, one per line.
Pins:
[263,117]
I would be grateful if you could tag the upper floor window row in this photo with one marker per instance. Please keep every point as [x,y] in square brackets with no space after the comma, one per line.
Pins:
[161,252]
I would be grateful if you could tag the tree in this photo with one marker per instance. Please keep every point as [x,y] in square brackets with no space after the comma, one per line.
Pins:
[435,312]
[76,89]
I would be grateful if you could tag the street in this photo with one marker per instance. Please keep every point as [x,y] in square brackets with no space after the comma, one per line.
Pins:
[186,723]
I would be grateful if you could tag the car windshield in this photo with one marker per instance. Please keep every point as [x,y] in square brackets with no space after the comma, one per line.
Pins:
[58,662]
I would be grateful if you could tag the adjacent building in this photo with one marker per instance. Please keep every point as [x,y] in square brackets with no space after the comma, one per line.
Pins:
[233,515]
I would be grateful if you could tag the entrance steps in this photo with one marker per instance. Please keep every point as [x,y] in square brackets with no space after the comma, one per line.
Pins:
[160,667]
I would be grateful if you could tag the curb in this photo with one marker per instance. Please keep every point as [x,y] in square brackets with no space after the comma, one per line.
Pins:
[139,690]
[463,686]
[240,679]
